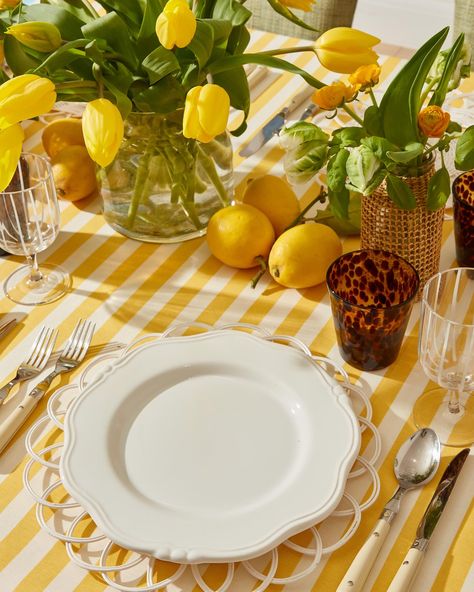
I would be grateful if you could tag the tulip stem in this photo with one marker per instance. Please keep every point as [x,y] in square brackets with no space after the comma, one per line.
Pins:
[283,51]
[210,169]
[353,114]
[372,98]
[76,84]
[140,182]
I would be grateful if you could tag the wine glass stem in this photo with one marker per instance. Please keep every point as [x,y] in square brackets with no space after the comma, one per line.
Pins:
[35,274]
[453,403]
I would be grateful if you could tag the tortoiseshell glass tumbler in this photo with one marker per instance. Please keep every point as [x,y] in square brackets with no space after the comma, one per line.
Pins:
[372,294]
[463,203]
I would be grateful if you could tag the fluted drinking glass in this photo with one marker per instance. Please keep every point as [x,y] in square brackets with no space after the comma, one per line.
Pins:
[446,352]
[29,224]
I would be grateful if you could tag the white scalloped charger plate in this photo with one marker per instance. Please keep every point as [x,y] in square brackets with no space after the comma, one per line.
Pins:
[210,448]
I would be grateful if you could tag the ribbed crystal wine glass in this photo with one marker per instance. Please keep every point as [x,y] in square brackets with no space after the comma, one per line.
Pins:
[29,224]
[446,352]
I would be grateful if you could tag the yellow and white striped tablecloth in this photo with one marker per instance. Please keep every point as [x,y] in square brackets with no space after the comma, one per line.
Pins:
[129,288]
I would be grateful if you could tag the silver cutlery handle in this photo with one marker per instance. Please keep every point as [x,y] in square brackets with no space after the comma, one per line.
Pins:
[300,98]
[407,571]
[7,388]
[363,562]
[40,389]
[15,420]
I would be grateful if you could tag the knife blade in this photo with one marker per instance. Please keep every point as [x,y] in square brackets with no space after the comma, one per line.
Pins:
[7,326]
[406,572]
[276,123]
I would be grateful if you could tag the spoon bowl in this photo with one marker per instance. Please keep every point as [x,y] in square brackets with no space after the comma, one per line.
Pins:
[418,459]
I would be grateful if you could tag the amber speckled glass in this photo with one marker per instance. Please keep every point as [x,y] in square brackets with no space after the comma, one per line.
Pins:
[372,293]
[463,202]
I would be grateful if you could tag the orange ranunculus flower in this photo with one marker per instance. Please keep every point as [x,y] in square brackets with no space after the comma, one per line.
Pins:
[433,121]
[4,4]
[365,76]
[334,95]
[306,5]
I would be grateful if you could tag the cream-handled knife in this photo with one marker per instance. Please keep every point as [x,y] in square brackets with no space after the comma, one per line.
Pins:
[276,123]
[407,570]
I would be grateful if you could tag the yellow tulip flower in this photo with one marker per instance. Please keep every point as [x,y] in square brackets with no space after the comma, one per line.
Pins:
[5,4]
[334,95]
[365,76]
[176,25]
[102,127]
[24,97]
[44,37]
[306,5]
[206,112]
[344,49]
[11,142]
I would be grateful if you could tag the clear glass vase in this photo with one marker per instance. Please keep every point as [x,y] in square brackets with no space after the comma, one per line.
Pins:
[163,187]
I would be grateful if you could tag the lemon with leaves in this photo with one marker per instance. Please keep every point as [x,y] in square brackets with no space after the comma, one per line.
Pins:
[301,256]
[240,236]
[275,198]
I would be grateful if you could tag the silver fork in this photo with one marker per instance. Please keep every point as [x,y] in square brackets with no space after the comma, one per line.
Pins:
[35,361]
[72,355]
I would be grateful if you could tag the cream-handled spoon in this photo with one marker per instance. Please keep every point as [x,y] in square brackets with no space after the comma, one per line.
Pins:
[415,465]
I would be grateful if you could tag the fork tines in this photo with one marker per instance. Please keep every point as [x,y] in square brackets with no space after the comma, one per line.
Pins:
[77,345]
[42,348]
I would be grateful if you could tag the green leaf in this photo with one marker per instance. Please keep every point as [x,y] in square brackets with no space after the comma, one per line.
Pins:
[439,190]
[339,202]
[347,136]
[165,96]
[114,31]
[16,57]
[222,29]
[410,153]
[229,62]
[151,13]
[400,193]
[236,84]
[130,10]
[238,40]
[69,24]
[373,121]
[159,63]
[402,100]
[464,156]
[452,60]
[231,10]
[337,173]
[284,11]
[124,104]
[202,43]
[63,56]
[80,8]
[453,127]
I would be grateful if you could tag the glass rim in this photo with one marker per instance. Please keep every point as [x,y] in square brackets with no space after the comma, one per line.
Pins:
[365,306]
[38,183]
[426,304]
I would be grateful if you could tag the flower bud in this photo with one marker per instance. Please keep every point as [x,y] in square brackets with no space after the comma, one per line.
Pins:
[176,25]
[206,112]
[344,49]
[102,127]
[44,37]
[11,142]
[24,97]
[433,121]
[334,95]
[365,76]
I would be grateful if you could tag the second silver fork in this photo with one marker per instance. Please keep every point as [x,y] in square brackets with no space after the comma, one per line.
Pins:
[35,362]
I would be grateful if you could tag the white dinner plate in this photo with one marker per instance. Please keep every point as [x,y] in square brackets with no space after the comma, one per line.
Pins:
[210,448]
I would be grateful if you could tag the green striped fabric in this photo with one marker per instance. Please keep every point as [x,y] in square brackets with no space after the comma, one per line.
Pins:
[464,21]
[326,14]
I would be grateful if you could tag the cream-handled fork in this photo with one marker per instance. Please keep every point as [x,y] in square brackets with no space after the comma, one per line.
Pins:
[35,361]
[73,354]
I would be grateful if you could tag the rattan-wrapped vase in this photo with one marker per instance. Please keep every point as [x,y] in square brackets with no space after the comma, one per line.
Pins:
[415,235]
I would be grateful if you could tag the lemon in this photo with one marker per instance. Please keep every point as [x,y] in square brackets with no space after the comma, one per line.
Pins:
[61,133]
[301,256]
[74,173]
[238,234]
[275,198]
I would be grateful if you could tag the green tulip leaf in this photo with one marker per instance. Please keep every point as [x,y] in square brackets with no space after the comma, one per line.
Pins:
[238,40]
[202,43]
[63,56]
[400,193]
[464,156]
[284,11]
[439,190]
[221,28]
[236,84]
[82,9]
[373,121]
[451,63]
[16,56]
[129,10]
[231,10]
[401,102]
[69,24]
[159,63]
[165,96]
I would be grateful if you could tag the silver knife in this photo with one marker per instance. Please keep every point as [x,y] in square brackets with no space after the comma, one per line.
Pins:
[406,572]
[7,326]
[276,123]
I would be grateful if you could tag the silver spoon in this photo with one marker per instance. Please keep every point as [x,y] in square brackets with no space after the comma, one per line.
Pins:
[415,465]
